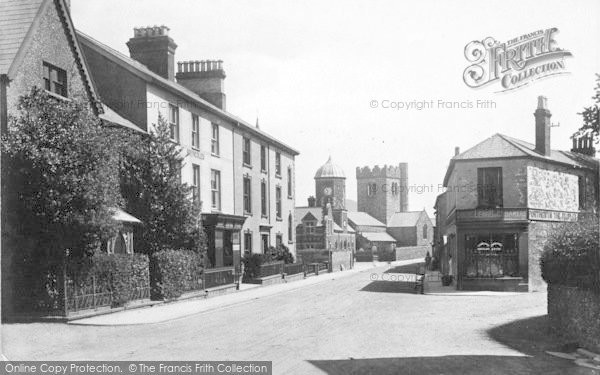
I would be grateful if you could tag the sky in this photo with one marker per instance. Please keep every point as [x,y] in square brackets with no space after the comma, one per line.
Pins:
[318,74]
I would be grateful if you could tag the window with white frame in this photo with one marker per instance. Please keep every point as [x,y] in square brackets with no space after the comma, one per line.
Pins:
[174,122]
[246,151]
[214,143]
[278,202]
[55,79]
[195,132]
[247,195]
[196,183]
[278,164]
[215,186]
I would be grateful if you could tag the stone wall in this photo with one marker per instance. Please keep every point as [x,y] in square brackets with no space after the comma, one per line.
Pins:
[412,252]
[341,260]
[574,314]
[538,233]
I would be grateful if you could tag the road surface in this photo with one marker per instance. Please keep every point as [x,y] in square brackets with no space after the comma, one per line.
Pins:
[341,326]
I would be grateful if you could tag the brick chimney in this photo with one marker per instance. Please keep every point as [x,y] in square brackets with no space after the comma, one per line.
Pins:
[584,145]
[542,127]
[153,47]
[206,78]
[312,201]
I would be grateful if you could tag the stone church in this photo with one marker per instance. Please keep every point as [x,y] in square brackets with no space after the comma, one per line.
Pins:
[383,223]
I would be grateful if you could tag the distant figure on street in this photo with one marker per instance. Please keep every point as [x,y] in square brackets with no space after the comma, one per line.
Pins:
[427,261]
[450,270]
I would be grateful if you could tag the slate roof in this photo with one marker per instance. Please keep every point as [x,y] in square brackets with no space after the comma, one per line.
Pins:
[378,236]
[16,19]
[503,146]
[147,75]
[404,219]
[317,212]
[364,219]
[301,212]
[113,117]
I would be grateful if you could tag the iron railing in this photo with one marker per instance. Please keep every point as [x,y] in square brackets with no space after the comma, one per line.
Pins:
[213,277]
[293,268]
[270,269]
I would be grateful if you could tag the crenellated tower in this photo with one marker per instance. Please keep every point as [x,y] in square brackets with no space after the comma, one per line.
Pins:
[382,191]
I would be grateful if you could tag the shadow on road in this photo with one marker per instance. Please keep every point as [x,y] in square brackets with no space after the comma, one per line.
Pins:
[528,336]
[407,268]
[390,287]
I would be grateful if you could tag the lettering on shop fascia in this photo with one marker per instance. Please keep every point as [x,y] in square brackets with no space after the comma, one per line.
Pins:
[543,215]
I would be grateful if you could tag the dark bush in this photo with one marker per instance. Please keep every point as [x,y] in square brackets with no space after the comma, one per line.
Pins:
[571,255]
[252,263]
[174,272]
[278,253]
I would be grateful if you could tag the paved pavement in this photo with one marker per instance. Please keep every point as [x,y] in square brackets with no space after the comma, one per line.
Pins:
[344,325]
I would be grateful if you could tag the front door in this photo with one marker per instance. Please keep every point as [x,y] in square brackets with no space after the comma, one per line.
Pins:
[227,248]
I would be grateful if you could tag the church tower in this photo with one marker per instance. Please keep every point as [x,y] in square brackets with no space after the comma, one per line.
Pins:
[381,192]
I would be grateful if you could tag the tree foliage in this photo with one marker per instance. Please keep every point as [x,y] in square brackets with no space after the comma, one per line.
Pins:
[151,185]
[60,176]
[591,114]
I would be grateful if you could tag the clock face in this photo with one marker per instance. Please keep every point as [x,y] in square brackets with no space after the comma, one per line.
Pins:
[327,191]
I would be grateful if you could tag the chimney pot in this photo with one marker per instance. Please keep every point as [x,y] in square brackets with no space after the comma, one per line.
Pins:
[152,47]
[542,102]
[206,80]
[456,151]
[542,127]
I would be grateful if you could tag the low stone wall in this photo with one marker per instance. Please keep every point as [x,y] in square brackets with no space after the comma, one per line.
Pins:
[341,260]
[412,252]
[574,314]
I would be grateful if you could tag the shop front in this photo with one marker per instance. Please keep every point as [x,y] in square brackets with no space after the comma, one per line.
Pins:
[222,264]
[492,254]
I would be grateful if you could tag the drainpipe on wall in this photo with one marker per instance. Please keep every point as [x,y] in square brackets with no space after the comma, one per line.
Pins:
[3,128]
[4,81]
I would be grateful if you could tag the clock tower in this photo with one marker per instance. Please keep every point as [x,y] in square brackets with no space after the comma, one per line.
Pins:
[330,187]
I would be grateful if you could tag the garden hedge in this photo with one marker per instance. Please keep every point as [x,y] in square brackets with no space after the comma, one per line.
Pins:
[121,274]
[571,256]
[174,272]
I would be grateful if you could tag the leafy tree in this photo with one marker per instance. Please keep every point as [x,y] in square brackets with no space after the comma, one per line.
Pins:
[60,176]
[591,114]
[151,185]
